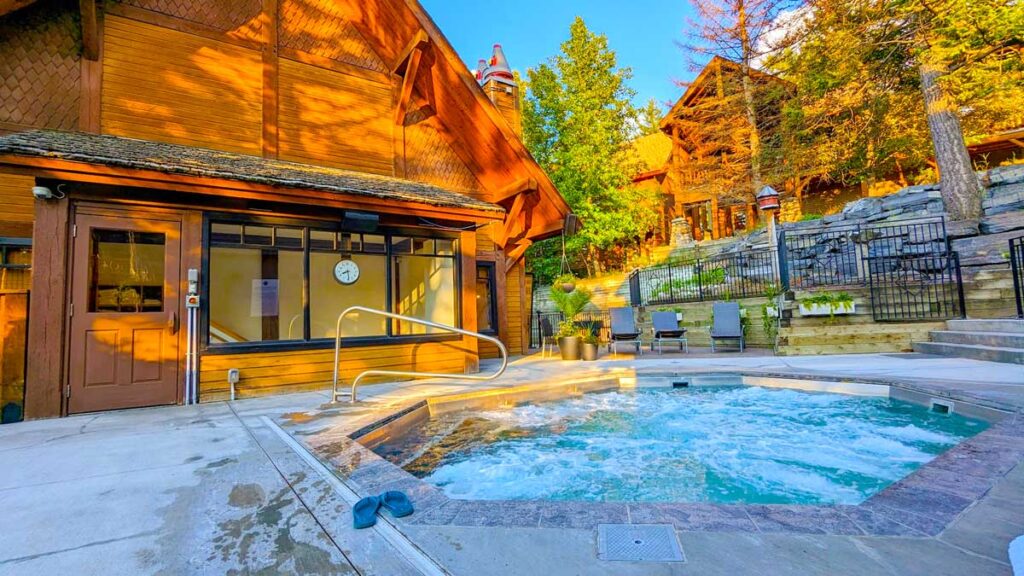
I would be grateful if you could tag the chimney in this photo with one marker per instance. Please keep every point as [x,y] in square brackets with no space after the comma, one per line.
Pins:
[500,86]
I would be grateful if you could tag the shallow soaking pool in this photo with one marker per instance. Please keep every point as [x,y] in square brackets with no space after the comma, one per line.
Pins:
[720,444]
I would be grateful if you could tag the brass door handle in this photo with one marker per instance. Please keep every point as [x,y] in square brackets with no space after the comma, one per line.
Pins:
[172,322]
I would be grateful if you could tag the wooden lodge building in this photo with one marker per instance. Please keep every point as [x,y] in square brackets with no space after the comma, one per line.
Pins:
[295,157]
[675,162]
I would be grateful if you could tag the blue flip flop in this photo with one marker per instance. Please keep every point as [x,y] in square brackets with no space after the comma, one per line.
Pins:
[364,513]
[397,503]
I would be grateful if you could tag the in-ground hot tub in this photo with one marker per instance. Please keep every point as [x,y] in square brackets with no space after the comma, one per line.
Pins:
[719,439]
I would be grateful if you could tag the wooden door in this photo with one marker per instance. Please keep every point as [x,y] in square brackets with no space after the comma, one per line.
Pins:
[125,312]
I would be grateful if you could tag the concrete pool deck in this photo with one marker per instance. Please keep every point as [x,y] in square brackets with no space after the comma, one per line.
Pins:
[216,488]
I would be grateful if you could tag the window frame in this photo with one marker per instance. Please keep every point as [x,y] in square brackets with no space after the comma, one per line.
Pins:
[308,343]
[492,280]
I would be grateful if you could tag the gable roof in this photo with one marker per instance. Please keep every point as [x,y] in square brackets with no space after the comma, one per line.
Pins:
[461,104]
[653,149]
[695,88]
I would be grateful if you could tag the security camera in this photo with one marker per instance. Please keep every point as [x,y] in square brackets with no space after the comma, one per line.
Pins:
[42,192]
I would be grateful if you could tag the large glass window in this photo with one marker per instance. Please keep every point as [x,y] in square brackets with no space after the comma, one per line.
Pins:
[423,275]
[256,284]
[289,283]
[329,296]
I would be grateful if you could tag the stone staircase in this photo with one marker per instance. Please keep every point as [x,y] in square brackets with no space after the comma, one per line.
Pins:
[995,340]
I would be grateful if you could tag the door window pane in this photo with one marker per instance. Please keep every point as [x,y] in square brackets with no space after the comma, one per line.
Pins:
[485,320]
[328,297]
[126,271]
[424,287]
[255,295]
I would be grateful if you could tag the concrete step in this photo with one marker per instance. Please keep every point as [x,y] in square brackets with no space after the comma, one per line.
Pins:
[1011,325]
[988,353]
[971,338]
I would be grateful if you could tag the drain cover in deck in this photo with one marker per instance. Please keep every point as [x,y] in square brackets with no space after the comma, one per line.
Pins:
[638,543]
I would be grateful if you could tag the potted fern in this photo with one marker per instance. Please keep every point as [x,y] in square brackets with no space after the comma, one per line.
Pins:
[570,304]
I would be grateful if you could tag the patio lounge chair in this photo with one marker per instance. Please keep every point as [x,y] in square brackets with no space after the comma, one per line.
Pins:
[666,329]
[727,325]
[547,337]
[623,329]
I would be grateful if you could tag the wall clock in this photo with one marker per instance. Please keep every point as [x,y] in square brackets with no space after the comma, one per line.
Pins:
[346,272]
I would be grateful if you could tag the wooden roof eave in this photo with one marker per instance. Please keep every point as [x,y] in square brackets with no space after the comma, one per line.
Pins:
[224,187]
[457,69]
[8,6]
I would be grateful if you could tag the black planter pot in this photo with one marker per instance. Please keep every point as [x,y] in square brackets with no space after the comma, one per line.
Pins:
[569,347]
[589,352]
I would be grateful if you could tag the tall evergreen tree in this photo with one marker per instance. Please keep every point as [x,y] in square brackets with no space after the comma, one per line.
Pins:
[887,84]
[649,118]
[577,119]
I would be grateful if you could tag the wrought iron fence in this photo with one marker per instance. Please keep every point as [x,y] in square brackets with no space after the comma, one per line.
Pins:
[596,320]
[908,266]
[916,288]
[1017,267]
[844,256]
[722,277]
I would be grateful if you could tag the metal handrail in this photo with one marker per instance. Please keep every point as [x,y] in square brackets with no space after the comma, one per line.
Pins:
[364,373]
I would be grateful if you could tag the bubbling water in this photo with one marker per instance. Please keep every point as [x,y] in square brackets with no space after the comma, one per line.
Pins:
[714,444]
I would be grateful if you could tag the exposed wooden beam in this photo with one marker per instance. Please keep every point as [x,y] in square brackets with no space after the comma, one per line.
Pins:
[513,256]
[1018,142]
[8,6]
[91,72]
[90,30]
[270,142]
[513,221]
[419,41]
[517,187]
[405,92]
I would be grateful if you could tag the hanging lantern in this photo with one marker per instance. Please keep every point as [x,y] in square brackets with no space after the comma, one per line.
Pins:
[768,199]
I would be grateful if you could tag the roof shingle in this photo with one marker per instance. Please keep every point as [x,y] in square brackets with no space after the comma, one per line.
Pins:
[136,154]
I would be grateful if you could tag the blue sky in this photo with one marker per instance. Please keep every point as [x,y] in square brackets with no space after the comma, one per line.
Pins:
[642,32]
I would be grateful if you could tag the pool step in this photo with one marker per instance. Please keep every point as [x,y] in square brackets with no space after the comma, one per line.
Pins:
[1010,325]
[974,352]
[971,338]
[994,340]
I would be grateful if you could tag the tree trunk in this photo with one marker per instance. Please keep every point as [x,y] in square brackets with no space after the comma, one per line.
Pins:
[961,191]
[748,100]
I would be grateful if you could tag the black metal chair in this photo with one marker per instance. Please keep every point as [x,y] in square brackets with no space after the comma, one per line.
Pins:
[547,337]
[727,324]
[666,329]
[623,329]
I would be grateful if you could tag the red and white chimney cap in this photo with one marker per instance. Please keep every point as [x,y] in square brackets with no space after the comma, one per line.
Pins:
[497,68]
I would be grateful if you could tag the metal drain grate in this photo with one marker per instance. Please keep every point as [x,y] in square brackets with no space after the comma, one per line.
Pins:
[638,543]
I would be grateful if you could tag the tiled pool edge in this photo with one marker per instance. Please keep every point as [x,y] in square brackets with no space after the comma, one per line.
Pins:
[922,504]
